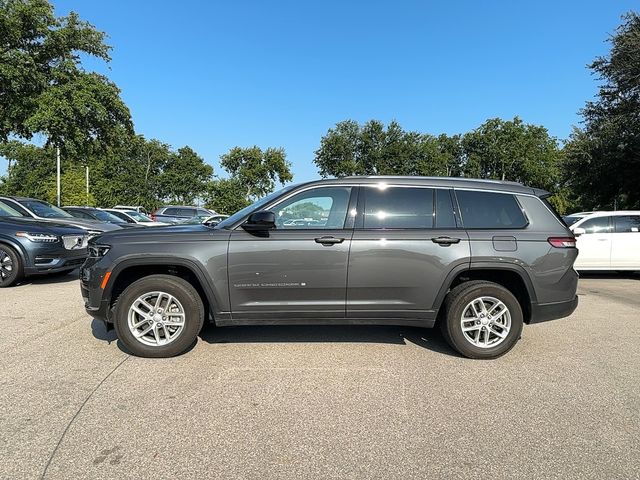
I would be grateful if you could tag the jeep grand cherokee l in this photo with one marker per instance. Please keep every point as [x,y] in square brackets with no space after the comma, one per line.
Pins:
[479,258]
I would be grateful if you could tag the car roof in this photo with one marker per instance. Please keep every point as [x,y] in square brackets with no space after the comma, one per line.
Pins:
[445,182]
[179,206]
[17,199]
[612,213]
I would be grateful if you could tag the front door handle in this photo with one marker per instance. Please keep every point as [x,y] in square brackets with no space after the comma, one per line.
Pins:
[445,241]
[329,240]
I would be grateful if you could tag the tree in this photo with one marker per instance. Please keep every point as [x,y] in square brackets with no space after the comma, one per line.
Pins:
[130,172]
[371,149]
[44,89]
[185,177]
[256,170]
[74,188]
[31,168]
[603,159]
[226,195]
[512,150]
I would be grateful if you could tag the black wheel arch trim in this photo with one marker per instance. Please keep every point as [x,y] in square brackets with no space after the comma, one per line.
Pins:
[458,269]
[166,260]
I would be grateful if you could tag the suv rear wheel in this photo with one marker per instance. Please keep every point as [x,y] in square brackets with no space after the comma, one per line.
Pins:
[158,316]
[11,269]
[482,319]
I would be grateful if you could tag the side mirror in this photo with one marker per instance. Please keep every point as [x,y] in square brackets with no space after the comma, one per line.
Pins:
[260,222]
[578,231]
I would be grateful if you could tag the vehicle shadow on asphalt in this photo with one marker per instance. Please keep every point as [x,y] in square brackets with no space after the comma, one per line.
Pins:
[429,338]
[99,331]
[51,278]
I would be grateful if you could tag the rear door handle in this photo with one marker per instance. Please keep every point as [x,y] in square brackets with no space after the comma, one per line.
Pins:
[445,241]
[329,240]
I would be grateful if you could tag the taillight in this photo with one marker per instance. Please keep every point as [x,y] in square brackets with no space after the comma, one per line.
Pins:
[562,242]
[153,217]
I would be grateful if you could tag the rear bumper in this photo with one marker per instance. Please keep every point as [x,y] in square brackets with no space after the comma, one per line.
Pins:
[543,312]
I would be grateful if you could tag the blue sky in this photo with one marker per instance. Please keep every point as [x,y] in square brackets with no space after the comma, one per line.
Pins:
[213,75]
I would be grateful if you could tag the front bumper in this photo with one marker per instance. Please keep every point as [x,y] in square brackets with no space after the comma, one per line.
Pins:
[91,277]
[45,259]
[543,312]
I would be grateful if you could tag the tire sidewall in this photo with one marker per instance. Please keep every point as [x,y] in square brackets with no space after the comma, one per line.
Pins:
[454,326]
[183,292]
[17,271]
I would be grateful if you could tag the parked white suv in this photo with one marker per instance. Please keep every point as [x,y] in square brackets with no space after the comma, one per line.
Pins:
[608,241]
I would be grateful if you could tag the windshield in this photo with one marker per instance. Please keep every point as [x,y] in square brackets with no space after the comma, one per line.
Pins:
[138,216]
[44,209]
[571,219]
[7,211]
[226,223]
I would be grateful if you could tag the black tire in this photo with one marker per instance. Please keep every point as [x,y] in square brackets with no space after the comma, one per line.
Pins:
[183,291]
[455,303]
[10,259]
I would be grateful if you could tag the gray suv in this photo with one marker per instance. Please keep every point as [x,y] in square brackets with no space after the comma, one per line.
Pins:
[478,258]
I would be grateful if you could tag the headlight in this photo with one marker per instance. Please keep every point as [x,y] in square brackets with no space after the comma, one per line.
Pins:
[38,237]
[75,242]
[98,251]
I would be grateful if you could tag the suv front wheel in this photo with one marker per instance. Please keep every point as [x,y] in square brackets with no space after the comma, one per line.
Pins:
[158,316]
[482,319]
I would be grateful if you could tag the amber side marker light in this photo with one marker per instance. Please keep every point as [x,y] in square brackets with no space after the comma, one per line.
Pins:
[105,280]
[562,242]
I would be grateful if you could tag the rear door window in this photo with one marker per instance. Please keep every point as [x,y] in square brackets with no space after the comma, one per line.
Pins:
[627,223]
[186,212]
[597,225]
[490,210]
[398,207]
[170,211]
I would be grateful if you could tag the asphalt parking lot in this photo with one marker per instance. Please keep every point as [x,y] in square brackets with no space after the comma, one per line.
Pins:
[319,402]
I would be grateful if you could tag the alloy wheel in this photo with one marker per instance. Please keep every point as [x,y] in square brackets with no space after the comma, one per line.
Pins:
[485,322]
[156,318]
[6,265]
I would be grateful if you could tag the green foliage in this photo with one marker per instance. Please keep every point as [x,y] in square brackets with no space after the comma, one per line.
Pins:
[184,177]
[226,195]
[134,172]
[512,150]
[256,170]
[73,189]
[43,87]
[498,149]
[370,149]
[603,159]
[130,173]
[31,169]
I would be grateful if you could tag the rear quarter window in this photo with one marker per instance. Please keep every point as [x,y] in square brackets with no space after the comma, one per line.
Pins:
[490,210]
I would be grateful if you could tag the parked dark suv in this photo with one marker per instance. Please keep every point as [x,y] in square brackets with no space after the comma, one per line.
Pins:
[37,247]
[478,257]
